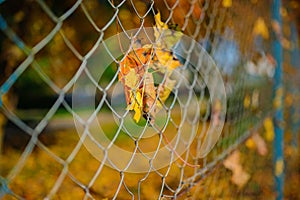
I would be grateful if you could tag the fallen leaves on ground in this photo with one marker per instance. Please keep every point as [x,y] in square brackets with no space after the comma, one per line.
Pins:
[257,142]
[239,176]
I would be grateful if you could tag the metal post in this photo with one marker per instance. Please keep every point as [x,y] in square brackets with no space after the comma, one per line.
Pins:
[278,100]
[295,61]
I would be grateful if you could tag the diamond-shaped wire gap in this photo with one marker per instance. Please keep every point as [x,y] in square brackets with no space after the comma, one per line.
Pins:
[167,9]
[180,138]
[116,3]
[108,102]
[70,189]
[109,26]
[99,14]
[179,13]
[70,158]
[203,187]
[62,121]
[59,8]
[34,139]
[31,107]
[82,39]
[83,166]
[64,107]
[37,177]
[16,138]
[60,134]
[11,57]
[142,9]
[150,183]
[57,62]
[70,46]
[123,45]
[171,179]
[65,92]
[189,158]
[97,141]
[131,182]
[14,142]
[25,49]
[135,14]
[124,191]
[117,132]
[199,10]
[108,79]
[22,154]
[97,173]
[28,20]
[171,135]
[55,19]
[106,183]
[127,19]
[149,141]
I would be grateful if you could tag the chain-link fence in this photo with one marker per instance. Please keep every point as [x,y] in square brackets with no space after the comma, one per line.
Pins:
[146,99]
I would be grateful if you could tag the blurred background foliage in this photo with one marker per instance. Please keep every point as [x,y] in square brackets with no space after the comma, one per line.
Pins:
[32,24]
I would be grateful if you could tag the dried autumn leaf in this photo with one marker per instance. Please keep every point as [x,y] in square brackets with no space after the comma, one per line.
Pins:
[135,75]
[136,102]
[131,73]
[239,176]
[258,143]
[136,60]
[166,62]
[165,38]
[165,89]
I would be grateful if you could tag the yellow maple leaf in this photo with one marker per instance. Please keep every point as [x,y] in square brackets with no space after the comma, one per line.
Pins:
[159,24]
[165,89]
[136,105]
[164,37]
[166,62]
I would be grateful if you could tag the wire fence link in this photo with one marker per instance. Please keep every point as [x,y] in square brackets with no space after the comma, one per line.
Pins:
[72,128]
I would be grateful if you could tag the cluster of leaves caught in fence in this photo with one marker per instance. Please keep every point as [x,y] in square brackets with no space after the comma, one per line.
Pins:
[137,68]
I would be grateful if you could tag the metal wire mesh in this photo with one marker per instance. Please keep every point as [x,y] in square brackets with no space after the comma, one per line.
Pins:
[48,45]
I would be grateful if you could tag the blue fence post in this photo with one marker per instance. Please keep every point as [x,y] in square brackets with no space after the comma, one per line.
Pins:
[278,100]
[295,61]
